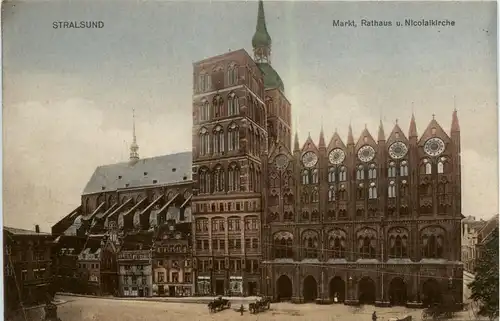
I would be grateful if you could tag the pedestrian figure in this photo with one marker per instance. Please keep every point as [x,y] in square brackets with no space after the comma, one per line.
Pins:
[242,309]
[335,298]
[374,316]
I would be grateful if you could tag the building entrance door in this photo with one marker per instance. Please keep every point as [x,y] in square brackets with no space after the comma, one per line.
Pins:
[171,290]
[252,288]
[219,287]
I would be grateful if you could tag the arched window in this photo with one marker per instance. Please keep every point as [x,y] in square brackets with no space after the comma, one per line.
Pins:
[258,174]
[315,196]
[403,170]
[403,191]
[233,107]
[367,247]
[204,82]
[305,177]
[337,246]
[204,142]
[428,169]
[331,175]
[219,179]
[398,246]
[315,216]
[205,111]
[360,173]
[233,138]
[315,176]
[218,140]
[305,197]
[218,106]
[372,172]
[342,194]
[360,193]
[342,174]
[440,167]
[283,246]
[391,171]
[372,192]
[432,246]
[311,247]
[204,181]
[233,178]
[232,75]
[391,190]
[331,194]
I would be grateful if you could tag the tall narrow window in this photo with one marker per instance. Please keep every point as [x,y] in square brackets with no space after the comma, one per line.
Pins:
[391,171]
[331,175]
[251,173]
[218,140]
[440,167]
[331,194]
[204,181]
[404,168]
[372,172]
[360,173]
[315,176]
[372,192]
[342,174]
[315,196]
[232,75]
[233,105]
[205,111]
[233,138]
[305,177]
[428,168]
[219,179]
[204,142]
[391,190]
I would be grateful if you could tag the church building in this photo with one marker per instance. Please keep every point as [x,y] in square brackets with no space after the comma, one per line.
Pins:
[373,219]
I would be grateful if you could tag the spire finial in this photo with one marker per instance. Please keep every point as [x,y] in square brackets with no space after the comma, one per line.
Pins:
[261,40]
[396,121]
[134,148]
[454,103]
[433,116]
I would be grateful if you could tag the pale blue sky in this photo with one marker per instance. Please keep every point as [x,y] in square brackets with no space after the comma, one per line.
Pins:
[68,93]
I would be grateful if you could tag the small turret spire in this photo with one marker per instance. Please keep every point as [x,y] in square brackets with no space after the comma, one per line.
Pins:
[134,148]
[296,145]
[413,127]
[321,138]
[261,40]
[350,137]
[381,134]
[455,126]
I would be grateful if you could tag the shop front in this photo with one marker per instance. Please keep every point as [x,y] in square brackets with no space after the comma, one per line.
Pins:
[236,285]
[203,286]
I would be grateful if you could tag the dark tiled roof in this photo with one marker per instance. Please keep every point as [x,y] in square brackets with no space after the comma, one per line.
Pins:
[167,169]
[19,231]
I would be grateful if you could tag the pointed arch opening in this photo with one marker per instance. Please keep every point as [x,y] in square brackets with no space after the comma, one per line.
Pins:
[337,290]
[397,292]
[310,289]
[284,288]
[431,293]
[366,291]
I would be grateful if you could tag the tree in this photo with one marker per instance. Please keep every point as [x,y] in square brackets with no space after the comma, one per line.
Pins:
[484,288]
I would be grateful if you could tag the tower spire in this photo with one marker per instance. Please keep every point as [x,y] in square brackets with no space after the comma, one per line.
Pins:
[321,137]
[350,137]
[261,40]
[134,148]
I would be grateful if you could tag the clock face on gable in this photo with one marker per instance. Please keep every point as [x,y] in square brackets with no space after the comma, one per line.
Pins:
[366,153]
[398,150]
[309,159]
[336,156]
[281,162]
[434,147]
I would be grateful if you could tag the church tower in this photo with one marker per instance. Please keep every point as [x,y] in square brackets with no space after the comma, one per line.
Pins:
[278,107]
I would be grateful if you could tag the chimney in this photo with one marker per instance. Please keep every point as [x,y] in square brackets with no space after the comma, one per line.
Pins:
[37,228]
